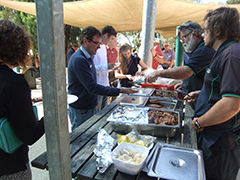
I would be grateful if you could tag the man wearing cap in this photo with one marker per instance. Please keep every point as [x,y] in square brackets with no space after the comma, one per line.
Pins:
[200,56]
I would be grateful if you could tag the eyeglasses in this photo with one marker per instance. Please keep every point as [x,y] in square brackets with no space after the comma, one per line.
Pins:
[97,43]
[184,37]
[166,45]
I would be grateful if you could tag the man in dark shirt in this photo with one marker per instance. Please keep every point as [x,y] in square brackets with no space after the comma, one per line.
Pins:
[217,117]
[82,80]
[71,50]
[199,58]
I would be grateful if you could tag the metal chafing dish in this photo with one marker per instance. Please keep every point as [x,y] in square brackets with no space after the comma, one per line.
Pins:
[134,100]
[150,128]
[165,94]
[175,162]
[143,92]
[169,104]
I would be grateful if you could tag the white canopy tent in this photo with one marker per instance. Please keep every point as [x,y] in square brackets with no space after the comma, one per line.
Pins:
[125,15]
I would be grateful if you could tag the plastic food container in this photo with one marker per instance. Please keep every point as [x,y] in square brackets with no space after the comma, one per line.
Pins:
[125,149]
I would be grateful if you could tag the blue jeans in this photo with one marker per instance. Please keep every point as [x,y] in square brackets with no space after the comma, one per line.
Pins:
[79,116]
[103,102]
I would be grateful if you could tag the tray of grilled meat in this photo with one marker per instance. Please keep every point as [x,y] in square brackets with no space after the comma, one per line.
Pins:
[160,122]
[161,103]
[165,94]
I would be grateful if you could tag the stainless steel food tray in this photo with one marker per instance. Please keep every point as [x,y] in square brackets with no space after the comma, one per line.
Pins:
[144,92]
[169,104]
[151,128]
[175,162]
[134,101]
[174,93]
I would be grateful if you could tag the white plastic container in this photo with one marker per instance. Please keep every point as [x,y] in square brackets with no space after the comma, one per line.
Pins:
[125,167]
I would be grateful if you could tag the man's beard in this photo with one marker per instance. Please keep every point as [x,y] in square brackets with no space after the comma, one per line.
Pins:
[190,46]
[210,42]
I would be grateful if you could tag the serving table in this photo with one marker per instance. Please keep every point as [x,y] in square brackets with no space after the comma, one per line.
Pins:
[83,140]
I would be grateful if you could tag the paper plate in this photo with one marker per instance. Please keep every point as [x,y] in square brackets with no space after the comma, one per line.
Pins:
[71,98]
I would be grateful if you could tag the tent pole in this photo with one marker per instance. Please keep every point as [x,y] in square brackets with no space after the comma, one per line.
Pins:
[148,30]
[52,66]
[179,51]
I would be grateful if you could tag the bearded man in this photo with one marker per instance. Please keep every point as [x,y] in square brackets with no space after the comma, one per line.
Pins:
[192,73]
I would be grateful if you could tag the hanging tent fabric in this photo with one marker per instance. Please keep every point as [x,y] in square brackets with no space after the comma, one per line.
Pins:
[125,15]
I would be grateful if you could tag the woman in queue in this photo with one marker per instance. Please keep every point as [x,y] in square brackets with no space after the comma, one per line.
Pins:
[15,101]
[129,65]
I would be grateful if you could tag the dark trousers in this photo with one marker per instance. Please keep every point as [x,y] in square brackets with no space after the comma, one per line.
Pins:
[222,164]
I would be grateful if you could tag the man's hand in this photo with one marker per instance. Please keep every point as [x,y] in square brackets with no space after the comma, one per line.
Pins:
[127,90]
[111,65]
[178,86]
[152,76]
[192,96]
[194,126]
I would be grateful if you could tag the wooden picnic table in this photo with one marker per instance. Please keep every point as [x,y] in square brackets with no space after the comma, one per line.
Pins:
[84,138]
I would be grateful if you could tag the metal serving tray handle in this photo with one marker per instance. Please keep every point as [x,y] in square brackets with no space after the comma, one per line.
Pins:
[175,162]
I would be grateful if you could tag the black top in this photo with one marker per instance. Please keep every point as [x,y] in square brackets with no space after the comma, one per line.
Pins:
[198,61]
[16,104]
[132,69]
[222,79]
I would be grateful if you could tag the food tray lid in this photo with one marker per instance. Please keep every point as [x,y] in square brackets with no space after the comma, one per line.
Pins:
[134,100]
[144,92]
[175,162]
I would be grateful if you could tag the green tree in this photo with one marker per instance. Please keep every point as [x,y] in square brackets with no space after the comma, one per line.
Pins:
[233,2]
[71,33]
[6,13]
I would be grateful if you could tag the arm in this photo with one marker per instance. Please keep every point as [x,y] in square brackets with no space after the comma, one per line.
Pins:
[181,72]
[158,57]
[192,96]
[21,114]
[143,65]
[122,76]
[221,112]
[172,63]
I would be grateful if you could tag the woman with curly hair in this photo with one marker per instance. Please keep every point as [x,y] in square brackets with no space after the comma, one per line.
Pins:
[129,65]
[15,101]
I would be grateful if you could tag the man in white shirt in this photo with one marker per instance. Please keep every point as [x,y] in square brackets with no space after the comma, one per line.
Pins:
[101,64]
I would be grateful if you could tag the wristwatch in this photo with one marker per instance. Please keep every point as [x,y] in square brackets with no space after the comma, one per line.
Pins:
[197,124]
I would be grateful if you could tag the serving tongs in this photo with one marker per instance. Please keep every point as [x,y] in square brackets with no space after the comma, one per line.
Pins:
[182,92]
